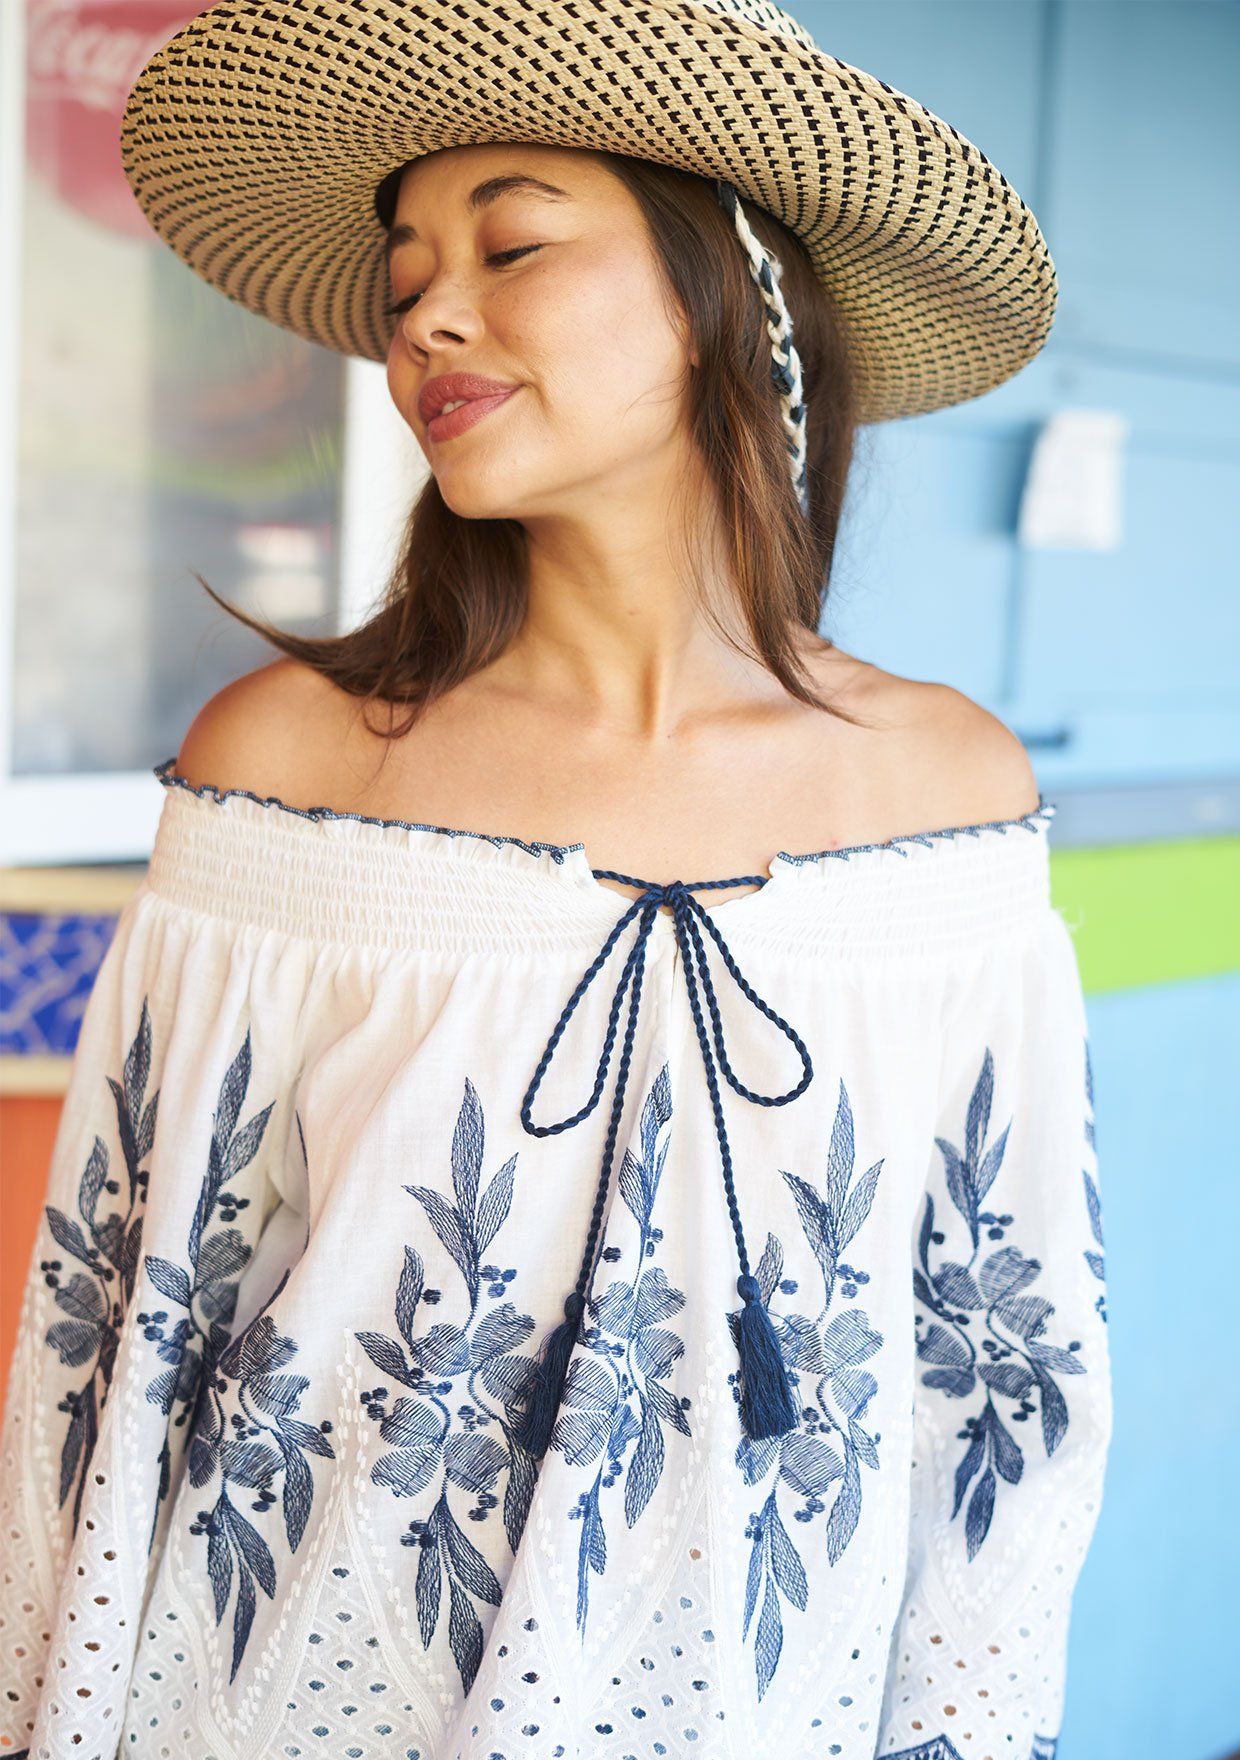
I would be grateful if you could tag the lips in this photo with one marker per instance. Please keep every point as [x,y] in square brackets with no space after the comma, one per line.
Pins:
[453,387]
[455,421]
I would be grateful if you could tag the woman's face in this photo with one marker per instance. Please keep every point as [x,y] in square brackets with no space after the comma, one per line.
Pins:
[555,294]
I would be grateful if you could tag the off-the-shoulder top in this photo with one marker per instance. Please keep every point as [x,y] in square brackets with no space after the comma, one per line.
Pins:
[480,1315]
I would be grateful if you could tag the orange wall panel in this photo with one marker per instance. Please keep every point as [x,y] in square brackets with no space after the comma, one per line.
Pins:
[28,1125]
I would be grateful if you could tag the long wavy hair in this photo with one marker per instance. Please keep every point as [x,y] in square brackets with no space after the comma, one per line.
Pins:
[457,595]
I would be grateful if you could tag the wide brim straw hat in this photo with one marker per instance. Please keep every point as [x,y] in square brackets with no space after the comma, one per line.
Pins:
[254,140]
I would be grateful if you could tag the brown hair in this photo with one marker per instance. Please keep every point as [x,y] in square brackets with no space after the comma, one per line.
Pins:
[457,594]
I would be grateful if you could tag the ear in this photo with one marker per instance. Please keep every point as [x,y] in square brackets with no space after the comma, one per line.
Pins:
[685,334]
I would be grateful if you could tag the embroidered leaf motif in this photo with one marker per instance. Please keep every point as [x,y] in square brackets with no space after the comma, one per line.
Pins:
[469,1226]
[387,1355]
[617,1401]
[444,1351]
[105,1243]
[468,1565]
[808,1465]
[848,1339]
[646,1466]
[413,1428]
[409,1293]
[956,1286]
[169,1280]
[1026,1315]
[786,1564]
[496,1202]
[473,1461]
[1093,1202]
[655,1350]
[824,1352]
[1012,1379]
[499,1332]
[842,1521]
[1016,1363]
[656,1300]
[981,1505]
[437,1440]
[192,1345]
[857,1205]
[1005,1272]
[770,1637]
[196,1347]
[260,1442]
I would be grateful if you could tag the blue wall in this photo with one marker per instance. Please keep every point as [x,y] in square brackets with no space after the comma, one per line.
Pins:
[1154,1651]
[1115,119]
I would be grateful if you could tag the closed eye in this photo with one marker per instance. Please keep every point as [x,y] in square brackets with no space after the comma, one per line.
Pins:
[403,305]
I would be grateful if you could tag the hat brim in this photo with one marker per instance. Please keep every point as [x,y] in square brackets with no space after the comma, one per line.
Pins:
[254,139]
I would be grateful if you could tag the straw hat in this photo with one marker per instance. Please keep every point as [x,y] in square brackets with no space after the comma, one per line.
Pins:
[255,138]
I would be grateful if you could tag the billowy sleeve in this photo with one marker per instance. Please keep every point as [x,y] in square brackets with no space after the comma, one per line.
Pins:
[172,1210]
[1012,1385]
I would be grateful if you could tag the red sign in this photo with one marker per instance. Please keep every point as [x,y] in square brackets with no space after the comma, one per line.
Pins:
[82,58]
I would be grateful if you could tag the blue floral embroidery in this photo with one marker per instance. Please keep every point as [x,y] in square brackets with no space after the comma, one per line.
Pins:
[618,1395]
[427,1439]
[94,1300]
[261,1441]
[956,1292]
[829,1352]
[1093,1202]
[198,1348]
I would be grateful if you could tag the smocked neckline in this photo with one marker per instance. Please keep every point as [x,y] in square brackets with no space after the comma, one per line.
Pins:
[1035,821]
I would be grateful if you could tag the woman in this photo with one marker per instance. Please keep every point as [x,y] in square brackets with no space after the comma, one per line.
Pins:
[380,1391]
[648,727]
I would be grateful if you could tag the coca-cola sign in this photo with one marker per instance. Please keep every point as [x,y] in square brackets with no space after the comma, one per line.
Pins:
[82,58]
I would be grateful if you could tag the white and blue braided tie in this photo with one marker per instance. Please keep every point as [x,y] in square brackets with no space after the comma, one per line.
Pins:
[785,361]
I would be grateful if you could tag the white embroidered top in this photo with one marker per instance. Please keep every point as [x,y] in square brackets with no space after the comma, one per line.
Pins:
[262,1485]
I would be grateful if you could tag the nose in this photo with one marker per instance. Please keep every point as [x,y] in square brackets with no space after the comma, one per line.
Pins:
[444,315]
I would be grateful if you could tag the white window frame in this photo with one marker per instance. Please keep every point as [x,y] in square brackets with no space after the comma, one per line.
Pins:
[112,817]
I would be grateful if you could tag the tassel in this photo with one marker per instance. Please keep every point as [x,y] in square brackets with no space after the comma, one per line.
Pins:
[766,1397]
[533,1428]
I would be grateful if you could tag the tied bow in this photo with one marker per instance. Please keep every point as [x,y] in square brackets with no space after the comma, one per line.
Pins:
[767,1407]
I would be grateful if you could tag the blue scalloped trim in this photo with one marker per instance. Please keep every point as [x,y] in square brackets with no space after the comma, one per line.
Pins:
[1033,820]
[165,774]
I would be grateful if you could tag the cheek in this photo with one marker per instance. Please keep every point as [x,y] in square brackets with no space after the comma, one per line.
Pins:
[401,372]
[607,353]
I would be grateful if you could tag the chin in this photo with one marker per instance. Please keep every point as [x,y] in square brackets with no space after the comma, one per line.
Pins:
[476,499]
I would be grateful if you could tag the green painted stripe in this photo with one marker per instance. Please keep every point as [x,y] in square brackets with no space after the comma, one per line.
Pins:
[1149,913]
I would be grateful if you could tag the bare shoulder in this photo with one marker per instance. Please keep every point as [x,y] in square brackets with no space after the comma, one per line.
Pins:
[969,766]
[269,731]
[943,759]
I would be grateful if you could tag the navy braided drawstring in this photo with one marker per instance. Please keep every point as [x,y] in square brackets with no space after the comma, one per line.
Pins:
[767,1407]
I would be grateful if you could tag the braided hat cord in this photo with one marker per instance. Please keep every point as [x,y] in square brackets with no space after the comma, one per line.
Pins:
[785,361]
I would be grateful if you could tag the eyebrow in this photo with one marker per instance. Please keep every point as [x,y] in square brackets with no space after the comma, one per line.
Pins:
[481,196]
